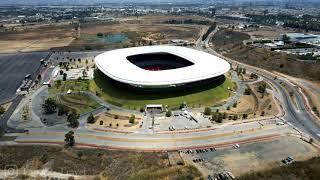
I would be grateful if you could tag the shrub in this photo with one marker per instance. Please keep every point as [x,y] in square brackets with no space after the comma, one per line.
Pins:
[90,119]
[2,110]
[132,119]
[168,113]
[207,111]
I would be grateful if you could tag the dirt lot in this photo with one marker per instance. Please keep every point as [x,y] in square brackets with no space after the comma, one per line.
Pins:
[254,104]
[246,105]
[38,38]
[230,44]
[103,163]
[117,120]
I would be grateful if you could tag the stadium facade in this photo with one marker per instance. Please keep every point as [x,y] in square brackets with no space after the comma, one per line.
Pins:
[160,66]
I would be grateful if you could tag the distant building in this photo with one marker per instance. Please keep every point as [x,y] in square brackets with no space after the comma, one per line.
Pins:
[310,39]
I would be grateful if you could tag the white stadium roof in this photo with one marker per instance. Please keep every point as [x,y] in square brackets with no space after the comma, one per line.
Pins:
[116,66]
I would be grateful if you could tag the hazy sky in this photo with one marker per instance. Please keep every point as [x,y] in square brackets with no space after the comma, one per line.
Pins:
[61,2]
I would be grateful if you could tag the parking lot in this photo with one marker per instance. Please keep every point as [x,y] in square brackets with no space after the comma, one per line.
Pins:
[243,158]
[13,68]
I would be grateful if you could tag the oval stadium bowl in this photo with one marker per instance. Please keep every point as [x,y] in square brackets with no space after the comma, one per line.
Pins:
[160,66]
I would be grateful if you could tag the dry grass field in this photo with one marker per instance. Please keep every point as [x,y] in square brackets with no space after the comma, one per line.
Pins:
[36,38]
[103,164]
[230,44]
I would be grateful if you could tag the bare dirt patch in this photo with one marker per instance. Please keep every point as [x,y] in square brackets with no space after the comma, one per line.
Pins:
[117,120]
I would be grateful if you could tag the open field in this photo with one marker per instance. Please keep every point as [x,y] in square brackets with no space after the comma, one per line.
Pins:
[134,99]
[229,43]
[13,68]
[63,35]
[119,35]
[36,38]
[103,163]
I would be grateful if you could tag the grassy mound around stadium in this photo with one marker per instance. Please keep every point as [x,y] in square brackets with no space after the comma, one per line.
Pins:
[206,95]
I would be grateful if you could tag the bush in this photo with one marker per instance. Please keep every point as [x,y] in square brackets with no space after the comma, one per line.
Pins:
[2,110]
[69,139]
[90,119]
[168,113]
[72,119]
[49,106]
[132,119]
[141,109]
[247,91]
[235,104]
[207,111]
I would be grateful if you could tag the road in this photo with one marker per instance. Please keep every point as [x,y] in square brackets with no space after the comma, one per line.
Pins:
[300,118]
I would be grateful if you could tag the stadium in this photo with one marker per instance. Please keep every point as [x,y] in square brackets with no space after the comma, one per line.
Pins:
[154,67]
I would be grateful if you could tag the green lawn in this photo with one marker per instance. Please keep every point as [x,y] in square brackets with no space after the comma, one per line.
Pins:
[81,103]
[207,95]
[134,99]
[74,85]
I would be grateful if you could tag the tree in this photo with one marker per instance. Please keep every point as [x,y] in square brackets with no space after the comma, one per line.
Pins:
[244,116]
[61,72]
[39,77]
[99,34]
[90,119]
[62,110]
[64,78]
[142,109]
[235,117]
[207,111]
[132,119]
[262,88]
[168,113]
[247,91]
[69,139]
[235,104]
[2,110]
[49,106]
[72,119]
[262,113]
[225,115]
[286,38]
